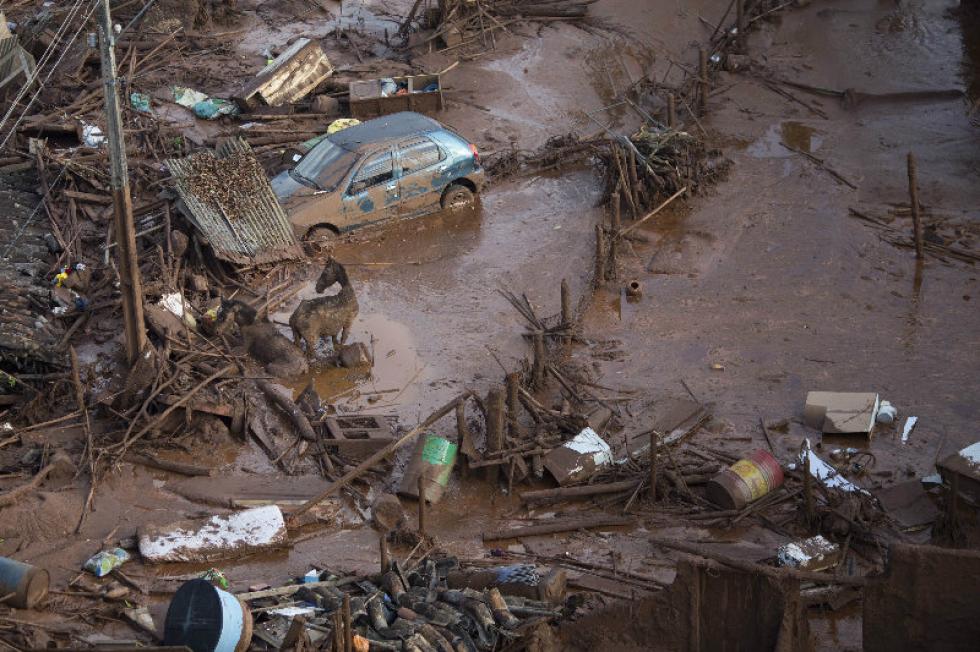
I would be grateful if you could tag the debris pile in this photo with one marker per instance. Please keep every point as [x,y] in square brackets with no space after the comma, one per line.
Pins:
[428,607]
[461,23]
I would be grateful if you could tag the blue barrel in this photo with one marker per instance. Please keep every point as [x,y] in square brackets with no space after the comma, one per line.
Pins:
[29,584]
[206,619]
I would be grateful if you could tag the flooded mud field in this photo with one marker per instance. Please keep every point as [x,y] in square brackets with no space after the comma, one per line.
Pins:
[696,368]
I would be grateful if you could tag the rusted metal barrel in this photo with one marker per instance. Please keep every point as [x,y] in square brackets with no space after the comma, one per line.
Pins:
[432,460]
[745,481]
[29,584]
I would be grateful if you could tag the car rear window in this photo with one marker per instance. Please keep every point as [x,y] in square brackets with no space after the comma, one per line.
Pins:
[326,165]
[418,154]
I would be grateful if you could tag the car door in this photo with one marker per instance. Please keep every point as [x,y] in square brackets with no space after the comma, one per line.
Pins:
[372,194]
[418,160]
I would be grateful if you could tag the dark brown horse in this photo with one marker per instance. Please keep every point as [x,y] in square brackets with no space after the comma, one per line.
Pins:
[329,316]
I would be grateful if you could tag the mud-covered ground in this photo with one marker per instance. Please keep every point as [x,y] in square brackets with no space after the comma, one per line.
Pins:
[754,292]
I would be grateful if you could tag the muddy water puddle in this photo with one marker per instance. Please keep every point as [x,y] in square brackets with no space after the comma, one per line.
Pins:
[427,289]
[797,135]
[398,373]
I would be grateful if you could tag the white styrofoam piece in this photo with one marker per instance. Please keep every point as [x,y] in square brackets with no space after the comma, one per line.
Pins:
[589,442]
[218,536]
[290,612]
[972,454]
[907,430]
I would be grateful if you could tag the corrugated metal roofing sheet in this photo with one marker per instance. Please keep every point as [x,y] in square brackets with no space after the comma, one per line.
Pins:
[258,231]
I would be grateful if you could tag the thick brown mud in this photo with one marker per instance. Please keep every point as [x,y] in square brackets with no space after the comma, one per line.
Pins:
[754,292]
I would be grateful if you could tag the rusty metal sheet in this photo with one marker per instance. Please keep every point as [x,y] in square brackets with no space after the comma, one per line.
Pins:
[290,77]
[255,229]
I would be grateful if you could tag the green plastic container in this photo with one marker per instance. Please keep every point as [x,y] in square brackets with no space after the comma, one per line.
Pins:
[433,460]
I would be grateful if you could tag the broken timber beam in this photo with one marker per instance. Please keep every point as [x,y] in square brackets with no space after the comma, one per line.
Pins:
[564,493]
[558,527]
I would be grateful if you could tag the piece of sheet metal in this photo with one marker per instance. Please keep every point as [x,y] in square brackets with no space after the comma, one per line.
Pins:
[257,232]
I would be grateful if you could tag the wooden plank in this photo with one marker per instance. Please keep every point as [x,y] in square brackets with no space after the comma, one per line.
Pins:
[198,405]
[559,527]
[291,76]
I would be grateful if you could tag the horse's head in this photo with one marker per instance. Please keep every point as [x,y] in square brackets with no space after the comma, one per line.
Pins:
[328,276]
[243,314]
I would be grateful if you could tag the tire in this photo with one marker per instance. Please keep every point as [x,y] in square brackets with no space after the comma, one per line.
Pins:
[321,237]
[457,197]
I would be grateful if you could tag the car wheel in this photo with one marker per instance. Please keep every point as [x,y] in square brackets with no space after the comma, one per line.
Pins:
[457,197]
[321,237]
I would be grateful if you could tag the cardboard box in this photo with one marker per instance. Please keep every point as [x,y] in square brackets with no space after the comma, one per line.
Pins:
[842,413]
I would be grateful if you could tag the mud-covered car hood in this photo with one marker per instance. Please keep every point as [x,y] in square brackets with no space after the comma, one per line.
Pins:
[289,191]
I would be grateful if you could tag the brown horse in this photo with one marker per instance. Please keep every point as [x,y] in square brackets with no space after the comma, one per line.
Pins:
[330,316]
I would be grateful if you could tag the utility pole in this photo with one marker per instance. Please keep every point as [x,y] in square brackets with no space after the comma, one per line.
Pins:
[130,284]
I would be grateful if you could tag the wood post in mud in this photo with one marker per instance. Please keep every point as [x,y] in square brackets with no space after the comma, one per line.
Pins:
[740,44]
[513,402]
[348,626]
[495,427]
[694,608]
[634,183]
[540,363]
[703,80]
[421,486]
[383,546]
[914,203]
[600,255]
[808,491]
[566,312]
[654,445]
[463,432]
[617,226]
[671,110]
[338,632]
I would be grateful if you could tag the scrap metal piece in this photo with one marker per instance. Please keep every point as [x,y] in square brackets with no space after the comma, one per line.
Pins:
[228,198]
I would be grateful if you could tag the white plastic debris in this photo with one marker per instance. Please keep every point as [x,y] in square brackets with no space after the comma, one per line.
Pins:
[825,473]
[907,429]
[174,303]
[92,135]
[886,413]
[292,612]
